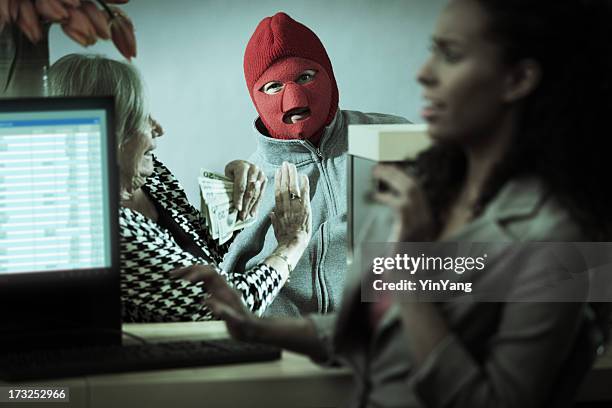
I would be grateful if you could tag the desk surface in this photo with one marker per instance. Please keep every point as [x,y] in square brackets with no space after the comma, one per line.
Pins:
[269,384]
[292,381]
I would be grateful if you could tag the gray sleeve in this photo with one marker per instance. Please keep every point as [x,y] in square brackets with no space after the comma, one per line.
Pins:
[519,369]
[381,118]
[371,118]
[325,326]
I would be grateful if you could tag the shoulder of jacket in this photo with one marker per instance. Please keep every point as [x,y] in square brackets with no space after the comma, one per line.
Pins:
[552,222]
[356,117]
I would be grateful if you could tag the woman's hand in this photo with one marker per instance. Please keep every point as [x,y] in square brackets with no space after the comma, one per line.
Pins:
[249,185]
[413,217]
[292,217]
[225,303]
[222,300]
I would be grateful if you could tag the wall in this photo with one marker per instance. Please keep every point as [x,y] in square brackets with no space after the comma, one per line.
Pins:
[190,55]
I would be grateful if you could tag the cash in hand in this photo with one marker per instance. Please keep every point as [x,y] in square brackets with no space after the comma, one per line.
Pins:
[217,206]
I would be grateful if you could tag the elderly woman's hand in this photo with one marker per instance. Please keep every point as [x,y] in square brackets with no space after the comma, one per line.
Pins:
[249,185]
[291,218]
[222,300]
[413,217]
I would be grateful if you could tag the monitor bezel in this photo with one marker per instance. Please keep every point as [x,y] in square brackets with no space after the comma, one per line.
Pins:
[102,323]
[74,103]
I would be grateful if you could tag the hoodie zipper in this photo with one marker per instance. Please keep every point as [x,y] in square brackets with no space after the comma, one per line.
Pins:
[331,198]
[324,291]
[321,272]
[315,149]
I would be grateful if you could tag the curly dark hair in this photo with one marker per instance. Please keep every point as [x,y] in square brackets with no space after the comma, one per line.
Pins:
[560,136]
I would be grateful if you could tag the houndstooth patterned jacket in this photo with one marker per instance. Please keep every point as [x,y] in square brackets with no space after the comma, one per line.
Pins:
[149,253]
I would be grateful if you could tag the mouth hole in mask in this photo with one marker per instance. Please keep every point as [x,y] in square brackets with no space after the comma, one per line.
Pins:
[296,115]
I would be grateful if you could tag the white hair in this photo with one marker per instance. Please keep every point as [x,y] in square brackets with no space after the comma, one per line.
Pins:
[96,75]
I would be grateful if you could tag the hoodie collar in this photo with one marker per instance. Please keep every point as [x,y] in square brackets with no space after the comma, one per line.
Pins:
[333,142]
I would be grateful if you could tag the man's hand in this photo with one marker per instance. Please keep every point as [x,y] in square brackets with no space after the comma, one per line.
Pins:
[249,186]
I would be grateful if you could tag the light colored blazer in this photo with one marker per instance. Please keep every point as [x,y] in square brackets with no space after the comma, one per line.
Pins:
[498,355]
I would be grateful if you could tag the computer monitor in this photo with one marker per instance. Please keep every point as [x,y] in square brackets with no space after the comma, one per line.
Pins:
[370,145]
[59,250]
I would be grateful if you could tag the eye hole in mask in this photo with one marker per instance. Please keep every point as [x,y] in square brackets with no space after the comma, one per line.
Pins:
[274,87]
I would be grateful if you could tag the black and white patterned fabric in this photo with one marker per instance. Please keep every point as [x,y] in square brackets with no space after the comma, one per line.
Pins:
[149,253]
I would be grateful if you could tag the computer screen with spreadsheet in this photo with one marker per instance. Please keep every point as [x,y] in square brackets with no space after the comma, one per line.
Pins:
[59,273]
[53,191]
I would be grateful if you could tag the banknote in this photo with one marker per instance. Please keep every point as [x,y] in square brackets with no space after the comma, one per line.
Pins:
[217,209]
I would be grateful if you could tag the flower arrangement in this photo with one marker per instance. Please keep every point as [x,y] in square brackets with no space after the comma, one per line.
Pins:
[85,21]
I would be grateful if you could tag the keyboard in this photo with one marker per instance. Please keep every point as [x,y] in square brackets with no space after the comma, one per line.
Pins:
[46,364]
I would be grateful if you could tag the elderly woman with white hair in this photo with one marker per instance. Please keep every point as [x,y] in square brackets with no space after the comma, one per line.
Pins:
[162,237]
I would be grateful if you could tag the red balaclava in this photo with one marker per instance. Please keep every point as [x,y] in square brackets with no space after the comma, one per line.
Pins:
[281,50]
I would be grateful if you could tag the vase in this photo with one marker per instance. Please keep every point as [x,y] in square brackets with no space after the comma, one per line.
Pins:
[23,65]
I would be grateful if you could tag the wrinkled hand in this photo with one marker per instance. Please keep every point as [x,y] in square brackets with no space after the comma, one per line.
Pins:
[292,216]
[249,186]
[413,217]
[223,301]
